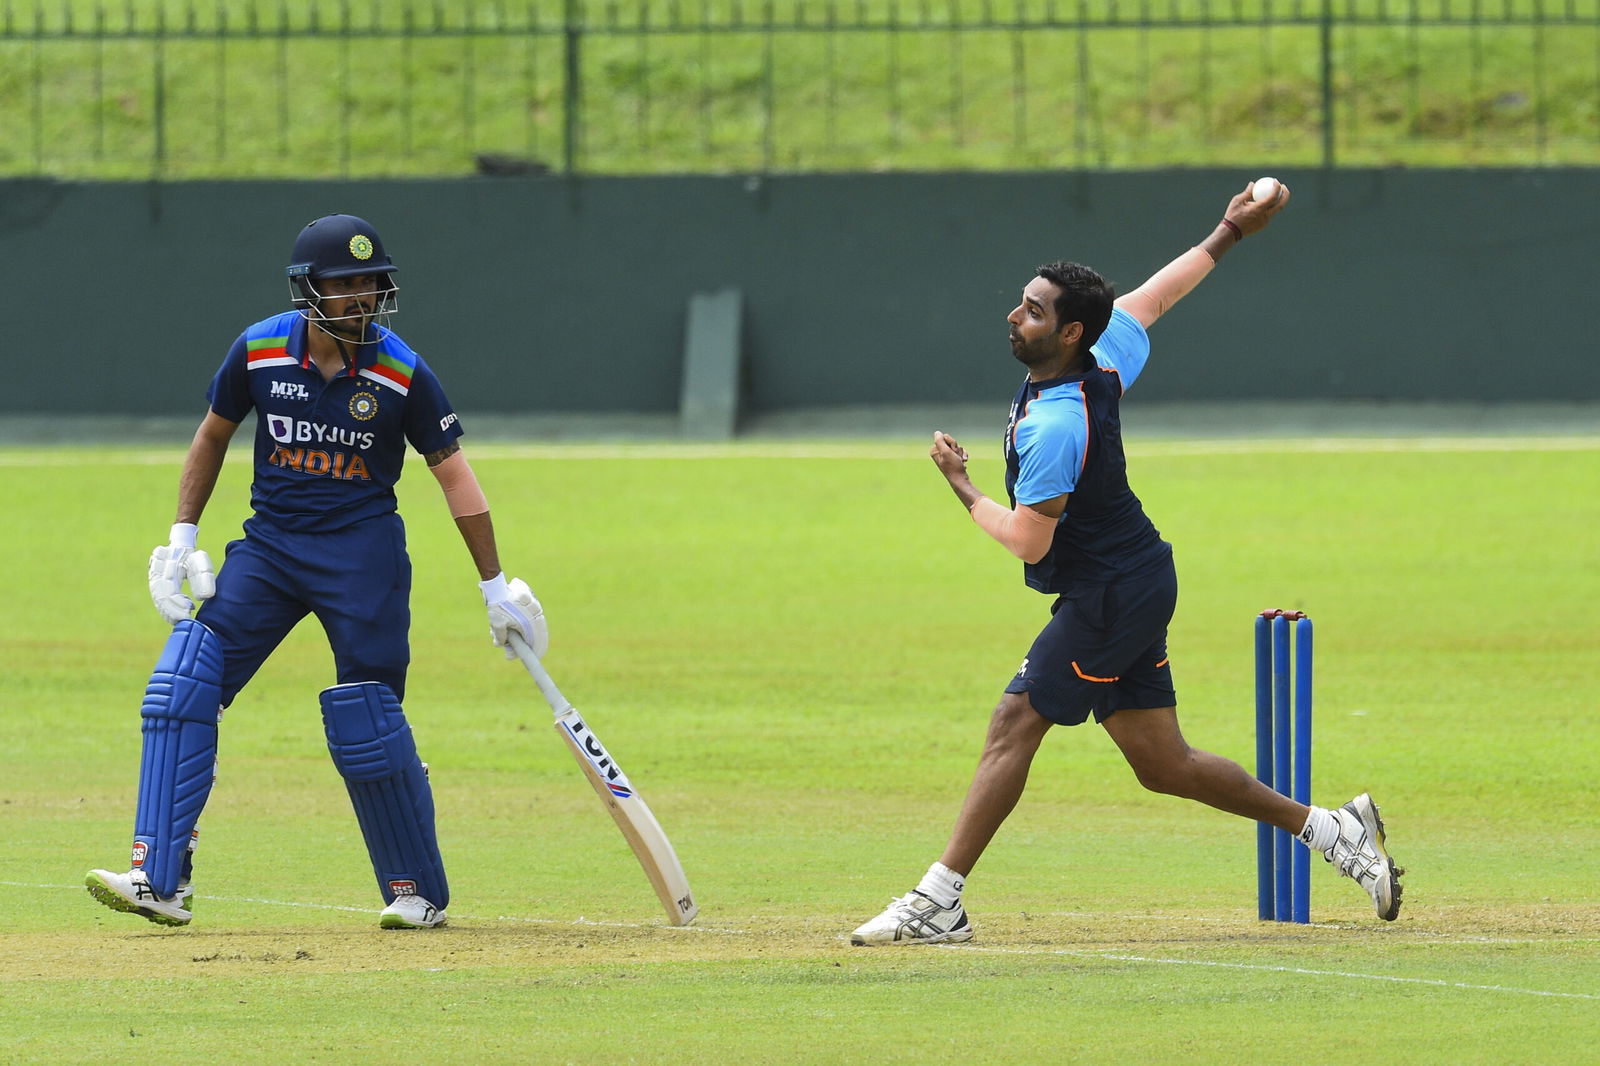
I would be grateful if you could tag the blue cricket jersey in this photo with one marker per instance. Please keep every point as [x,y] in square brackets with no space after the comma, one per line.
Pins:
[1065,436]
[329,452]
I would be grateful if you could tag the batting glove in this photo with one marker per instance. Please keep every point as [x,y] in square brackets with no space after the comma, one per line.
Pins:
[175,563]
[513,609]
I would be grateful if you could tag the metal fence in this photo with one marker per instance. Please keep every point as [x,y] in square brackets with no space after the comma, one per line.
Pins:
[324,88]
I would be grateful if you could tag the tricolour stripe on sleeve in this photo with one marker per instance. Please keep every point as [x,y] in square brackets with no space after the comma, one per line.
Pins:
[393,365]
[266,351]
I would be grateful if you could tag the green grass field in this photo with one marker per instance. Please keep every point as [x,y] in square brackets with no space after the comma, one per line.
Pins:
[792,649]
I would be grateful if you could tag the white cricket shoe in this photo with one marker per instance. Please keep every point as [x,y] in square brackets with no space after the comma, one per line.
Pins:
[410,912]
[131,893]
[1359,854]
[915,919]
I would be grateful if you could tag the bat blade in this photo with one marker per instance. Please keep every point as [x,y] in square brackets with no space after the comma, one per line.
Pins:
[628,809]
[632,815]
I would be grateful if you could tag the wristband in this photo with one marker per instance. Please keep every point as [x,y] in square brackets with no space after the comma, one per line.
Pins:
[183,535]
[1238,234]
[494,589]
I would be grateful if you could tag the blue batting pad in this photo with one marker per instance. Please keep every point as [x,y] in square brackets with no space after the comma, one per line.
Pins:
[371,744]
[180,710]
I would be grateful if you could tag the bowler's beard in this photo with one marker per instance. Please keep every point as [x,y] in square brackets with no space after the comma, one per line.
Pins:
[1035,352]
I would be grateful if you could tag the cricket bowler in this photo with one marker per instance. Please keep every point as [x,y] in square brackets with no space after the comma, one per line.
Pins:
[1085,540]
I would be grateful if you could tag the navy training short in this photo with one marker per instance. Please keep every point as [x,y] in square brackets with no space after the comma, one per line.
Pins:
[1103,650]
[356,581]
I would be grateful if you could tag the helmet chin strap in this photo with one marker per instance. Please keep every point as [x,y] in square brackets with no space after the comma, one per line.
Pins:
[313,315]
[340,341]
[344,353]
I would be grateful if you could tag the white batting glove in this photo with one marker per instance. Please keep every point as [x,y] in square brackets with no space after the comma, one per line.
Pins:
[513,609]
[173,564]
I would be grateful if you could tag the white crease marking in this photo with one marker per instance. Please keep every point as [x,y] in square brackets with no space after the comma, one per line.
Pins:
[1260,968]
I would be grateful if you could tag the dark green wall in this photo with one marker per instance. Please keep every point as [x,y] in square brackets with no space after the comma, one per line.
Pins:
[546,295]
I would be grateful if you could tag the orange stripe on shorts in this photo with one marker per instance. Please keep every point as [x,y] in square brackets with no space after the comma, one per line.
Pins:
[1090,677]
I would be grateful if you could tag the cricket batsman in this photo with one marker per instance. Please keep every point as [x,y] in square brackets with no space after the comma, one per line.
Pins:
[338,397]
[1084,539]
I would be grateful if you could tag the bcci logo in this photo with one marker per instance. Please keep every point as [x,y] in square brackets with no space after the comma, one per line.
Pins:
[361,246]
[363,406]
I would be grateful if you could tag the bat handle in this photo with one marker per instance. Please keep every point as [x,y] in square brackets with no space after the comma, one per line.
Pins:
[541,677]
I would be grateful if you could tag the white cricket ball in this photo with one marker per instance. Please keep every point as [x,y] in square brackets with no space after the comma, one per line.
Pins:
[1264,190]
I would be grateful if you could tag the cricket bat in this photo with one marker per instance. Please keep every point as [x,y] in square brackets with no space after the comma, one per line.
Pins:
[628,809]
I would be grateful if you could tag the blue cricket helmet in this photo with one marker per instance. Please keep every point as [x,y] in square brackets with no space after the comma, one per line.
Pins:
[336,246]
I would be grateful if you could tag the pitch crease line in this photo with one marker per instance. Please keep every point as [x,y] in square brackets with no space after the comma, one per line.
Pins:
[1445,938]
[1430,981]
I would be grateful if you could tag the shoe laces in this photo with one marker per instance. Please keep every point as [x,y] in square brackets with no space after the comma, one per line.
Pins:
[907,902]
[143,891]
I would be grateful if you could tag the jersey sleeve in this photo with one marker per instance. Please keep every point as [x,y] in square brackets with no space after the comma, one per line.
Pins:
[430,422]
[1123,347]
[1050,453]
[229,392]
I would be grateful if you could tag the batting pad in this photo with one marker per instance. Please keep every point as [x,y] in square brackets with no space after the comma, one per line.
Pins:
[177,768]
[371,744]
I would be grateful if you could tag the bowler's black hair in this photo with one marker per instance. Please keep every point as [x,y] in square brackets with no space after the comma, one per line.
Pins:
[1085,297]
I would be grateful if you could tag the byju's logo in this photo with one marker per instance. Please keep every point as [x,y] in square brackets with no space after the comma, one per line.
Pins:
[295,431]
[290,390]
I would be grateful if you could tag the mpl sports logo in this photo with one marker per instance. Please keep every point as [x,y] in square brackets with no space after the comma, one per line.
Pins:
[290,390]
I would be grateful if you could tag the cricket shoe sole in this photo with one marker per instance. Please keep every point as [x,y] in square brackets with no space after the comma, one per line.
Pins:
[131,893]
